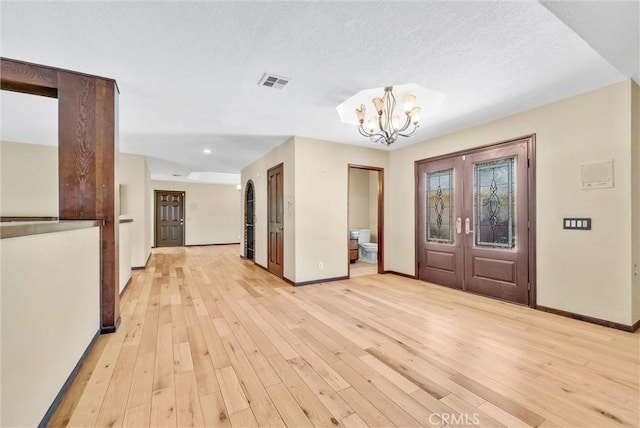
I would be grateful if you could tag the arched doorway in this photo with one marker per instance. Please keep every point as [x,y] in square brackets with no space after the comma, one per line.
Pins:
[249,221]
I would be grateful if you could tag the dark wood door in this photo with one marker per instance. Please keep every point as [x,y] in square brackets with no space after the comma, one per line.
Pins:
[169,218]
[473,221]
[275,208]
[440,250]
[496,217]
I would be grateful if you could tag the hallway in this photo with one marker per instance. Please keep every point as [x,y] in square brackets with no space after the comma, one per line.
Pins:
[210,339]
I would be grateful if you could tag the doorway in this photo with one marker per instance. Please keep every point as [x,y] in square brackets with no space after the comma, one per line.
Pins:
[249,221]
[169,218]
[275,217]
[365,218]
[475,223]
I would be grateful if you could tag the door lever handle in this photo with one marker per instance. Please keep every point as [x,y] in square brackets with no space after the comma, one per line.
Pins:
[458,225]
[467,226]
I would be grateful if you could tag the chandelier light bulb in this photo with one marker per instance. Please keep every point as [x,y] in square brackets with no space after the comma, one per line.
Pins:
[372,124]
[408,103]
[395,121]
[361,112]
[378,103]
[415,115]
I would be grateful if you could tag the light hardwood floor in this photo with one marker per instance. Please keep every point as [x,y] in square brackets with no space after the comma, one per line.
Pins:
[361,269]
[208,339]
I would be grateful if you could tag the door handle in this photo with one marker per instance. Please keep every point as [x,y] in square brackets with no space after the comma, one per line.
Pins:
[467,226]
[458,225]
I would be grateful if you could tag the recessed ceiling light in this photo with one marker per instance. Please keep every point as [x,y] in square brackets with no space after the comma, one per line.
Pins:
[207,151]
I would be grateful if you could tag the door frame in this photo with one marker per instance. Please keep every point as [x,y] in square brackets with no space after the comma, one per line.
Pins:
[281,166]
[246,218]
[155,215]
[380,196]
[530,140]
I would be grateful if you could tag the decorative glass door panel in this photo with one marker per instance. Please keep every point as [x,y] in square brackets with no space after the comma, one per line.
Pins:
[439,199]
[494,197]
[472,221]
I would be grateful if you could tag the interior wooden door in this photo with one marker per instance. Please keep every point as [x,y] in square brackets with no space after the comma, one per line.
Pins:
[169,218]
[473,221]
[275,208]
[440,244]
[496,223]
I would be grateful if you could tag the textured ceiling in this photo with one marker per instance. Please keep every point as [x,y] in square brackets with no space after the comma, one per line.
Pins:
[188,71]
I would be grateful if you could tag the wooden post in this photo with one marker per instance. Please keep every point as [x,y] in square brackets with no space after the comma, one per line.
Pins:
[87,158]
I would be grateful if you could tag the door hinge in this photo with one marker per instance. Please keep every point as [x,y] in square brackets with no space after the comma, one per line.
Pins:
[528,163]
[417,178]
[528,286]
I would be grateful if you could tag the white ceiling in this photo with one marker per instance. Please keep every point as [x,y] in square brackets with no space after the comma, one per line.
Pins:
[188,71]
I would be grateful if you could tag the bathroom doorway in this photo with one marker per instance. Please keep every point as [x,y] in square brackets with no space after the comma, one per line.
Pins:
[365,220]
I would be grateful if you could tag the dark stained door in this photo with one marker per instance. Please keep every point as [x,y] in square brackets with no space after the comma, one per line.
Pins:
[473,221]
[275,208]
[249,213]
[169,218]
[496,217]
[440,254]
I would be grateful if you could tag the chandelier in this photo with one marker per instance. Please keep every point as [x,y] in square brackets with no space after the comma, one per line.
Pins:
[385,127]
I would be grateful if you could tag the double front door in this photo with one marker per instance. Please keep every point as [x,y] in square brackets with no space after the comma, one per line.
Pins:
[473,221]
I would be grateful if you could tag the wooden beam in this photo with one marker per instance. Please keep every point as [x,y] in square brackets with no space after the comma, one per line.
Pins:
[28,78]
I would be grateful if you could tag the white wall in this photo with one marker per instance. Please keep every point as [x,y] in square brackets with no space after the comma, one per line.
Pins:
[134,174]
[49,315]
[584,272]
[29,187]
[635,197]
[28,180]
[124,253]
[257,172]
[211,211]
[373,205]
[358,198]
[148,212]
[321,181]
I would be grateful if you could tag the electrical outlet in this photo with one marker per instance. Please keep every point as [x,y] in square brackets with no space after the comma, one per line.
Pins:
[320,265]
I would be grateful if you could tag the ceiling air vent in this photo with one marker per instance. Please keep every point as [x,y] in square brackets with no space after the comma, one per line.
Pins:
[273,81]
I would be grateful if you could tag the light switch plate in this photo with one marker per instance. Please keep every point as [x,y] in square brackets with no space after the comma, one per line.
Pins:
[576,223]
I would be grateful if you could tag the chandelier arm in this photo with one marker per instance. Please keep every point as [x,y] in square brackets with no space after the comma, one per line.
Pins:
[406,125]
[364,133]
[380,125]
[391,107]
[380,139]
[410,133]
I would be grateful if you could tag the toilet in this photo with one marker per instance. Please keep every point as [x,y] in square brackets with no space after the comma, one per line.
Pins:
[367,251]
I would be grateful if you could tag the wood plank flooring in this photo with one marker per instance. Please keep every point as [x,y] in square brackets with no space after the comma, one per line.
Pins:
[209,339]
[361,269]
